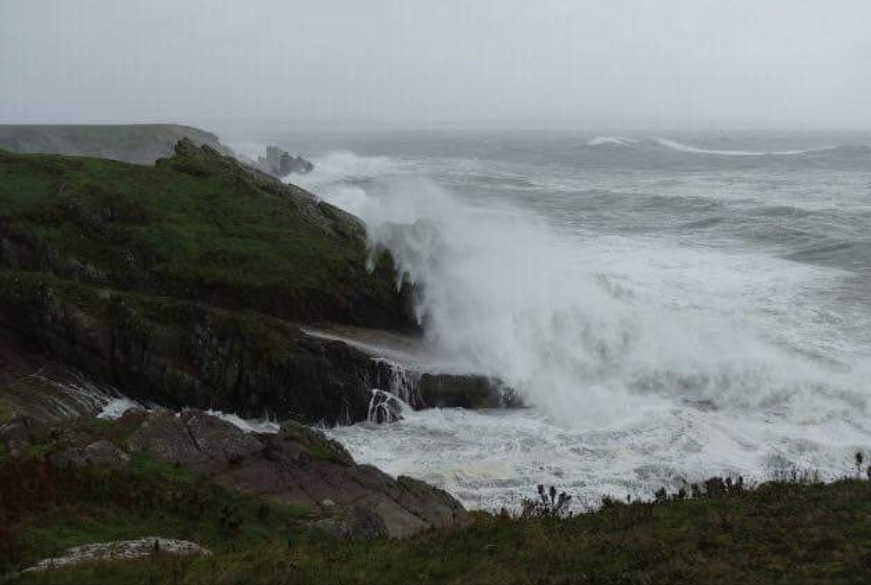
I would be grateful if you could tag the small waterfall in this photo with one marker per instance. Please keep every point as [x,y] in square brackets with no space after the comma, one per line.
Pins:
[401,393]
[73,397]
[56,392]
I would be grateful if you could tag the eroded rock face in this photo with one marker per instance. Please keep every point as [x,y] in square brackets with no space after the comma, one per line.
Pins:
[299,466]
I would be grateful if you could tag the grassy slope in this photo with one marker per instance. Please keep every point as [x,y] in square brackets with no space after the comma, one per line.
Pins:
[191,230]
[783,533]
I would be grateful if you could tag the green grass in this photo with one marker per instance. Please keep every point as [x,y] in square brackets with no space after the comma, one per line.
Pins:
[193,227]
[46,510]
[782,533]
[7,411]
[148,464]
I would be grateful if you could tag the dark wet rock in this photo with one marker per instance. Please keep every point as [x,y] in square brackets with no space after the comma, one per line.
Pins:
[301,466]
[193,439]
[465,391]
[298,465]
[214,360]
[165,434]
[17,435]
[353,523]
[315,442]
[406,375]
[280,163]
[101,453]
[45,390]
[219,440]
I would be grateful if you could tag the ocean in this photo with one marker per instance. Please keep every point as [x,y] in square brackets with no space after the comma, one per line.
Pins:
[670,305]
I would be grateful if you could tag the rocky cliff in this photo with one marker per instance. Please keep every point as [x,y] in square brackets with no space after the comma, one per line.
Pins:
[184,283]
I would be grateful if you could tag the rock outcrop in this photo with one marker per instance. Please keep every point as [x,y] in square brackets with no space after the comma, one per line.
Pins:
[298,465]
[44,389]
[415,377]
[119,550]
[281,163]
[464,391]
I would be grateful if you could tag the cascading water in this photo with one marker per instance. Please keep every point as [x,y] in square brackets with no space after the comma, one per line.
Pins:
[400,396]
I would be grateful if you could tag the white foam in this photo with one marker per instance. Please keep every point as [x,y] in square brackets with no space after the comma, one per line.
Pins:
[116,408]
[679,146]
[248,425]
[611,140]
[648,362]
[494,459]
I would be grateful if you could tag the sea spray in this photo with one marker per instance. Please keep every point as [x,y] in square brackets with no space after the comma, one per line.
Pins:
[505,294]
[648,360]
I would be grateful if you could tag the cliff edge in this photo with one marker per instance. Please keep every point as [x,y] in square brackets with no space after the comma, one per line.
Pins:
[139,144]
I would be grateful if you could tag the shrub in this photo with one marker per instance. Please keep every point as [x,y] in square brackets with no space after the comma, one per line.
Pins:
[549,504]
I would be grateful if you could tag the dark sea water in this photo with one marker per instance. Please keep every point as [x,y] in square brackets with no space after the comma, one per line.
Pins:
[672,304]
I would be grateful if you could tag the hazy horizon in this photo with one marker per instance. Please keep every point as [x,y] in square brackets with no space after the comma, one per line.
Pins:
[642,63]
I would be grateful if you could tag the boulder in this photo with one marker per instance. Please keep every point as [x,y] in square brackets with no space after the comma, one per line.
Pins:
[353,523]
[165,435]
[465,391]
[280,163]
[120,550]
[101,453]
[301,466]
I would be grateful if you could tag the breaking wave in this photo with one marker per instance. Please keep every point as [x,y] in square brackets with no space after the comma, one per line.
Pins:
[681,147]
[646,362]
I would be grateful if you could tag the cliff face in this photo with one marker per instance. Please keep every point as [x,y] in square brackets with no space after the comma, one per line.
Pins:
[134,143]
[183,283]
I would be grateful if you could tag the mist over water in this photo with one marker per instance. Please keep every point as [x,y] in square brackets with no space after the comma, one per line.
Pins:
[669,309]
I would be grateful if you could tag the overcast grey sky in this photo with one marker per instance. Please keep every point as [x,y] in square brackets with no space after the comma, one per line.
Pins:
[773,63]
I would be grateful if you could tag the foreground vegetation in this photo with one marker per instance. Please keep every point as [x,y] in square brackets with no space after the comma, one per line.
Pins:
[45,510]
[782,532]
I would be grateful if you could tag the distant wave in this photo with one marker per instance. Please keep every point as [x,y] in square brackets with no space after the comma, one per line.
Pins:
[679,146]
[611,140]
